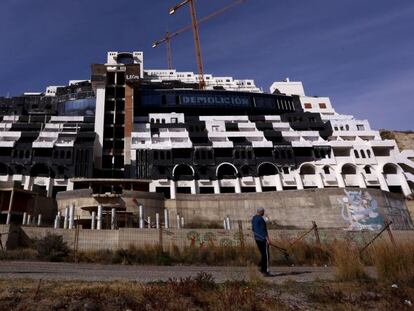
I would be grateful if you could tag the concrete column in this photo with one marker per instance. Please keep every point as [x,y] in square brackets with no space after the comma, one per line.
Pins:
[178,221]
[361,181]
[149,222]
[93,218]
[216,186]
[69,186]
[55,225]
[24,218]
[39,220]
[382,182]
[228,224]
[298,178]
[99,221]
[66,218]
[173,189]
[157,220]
[71,216]
[9,212]
[113,215]
[319,181]
[279,185]
[182,222]
[166,220]
[49,187]
[28,182]
[59,217]
[224,224]
[340,179]
[237,186]
[141,216]
[258,184]
[404,185]
[193,186]
[29,218]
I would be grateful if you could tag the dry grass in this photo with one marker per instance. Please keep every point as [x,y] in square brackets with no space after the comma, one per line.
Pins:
[200,293]
[394,263]
[347,262]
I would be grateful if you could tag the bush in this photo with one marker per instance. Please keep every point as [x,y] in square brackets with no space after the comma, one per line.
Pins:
[52,248]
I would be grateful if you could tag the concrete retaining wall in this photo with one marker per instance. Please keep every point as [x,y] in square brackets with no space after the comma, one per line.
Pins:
[350,208]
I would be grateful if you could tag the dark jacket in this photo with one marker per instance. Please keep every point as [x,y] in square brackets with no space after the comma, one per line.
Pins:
[259,228]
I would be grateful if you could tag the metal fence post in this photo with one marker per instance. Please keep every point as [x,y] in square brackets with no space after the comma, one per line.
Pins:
[315,229]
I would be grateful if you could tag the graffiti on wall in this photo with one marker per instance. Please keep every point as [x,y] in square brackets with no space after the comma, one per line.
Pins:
[360,210]
[220,238]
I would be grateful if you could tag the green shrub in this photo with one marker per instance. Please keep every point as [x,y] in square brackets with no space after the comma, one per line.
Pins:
[52,248]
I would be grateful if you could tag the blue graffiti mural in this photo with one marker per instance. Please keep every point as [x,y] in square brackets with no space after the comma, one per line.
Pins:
[360,211]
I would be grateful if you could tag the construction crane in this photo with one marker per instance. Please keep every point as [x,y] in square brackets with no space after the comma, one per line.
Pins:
[194,26]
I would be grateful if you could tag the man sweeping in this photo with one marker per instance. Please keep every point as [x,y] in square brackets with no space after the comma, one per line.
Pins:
[262,240]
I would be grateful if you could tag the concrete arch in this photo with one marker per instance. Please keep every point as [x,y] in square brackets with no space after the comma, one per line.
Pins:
[307,169]
[391,168]
[261,165]
[176,174]
[220,166]
[349,169]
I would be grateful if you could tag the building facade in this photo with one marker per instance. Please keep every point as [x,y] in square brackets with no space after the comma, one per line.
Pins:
[156,131]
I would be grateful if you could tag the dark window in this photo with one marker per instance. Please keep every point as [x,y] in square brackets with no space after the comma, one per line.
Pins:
[68,154]
[322,105]
[363,154]
[367,169]
[356,154]
[308,105]
[326,170]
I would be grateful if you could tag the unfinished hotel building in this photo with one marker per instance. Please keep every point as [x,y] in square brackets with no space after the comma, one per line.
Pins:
[131,134]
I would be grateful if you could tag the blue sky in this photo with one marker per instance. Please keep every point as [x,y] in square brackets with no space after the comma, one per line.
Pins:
[358,52]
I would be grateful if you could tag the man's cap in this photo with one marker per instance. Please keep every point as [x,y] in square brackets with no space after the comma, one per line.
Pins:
[260,209]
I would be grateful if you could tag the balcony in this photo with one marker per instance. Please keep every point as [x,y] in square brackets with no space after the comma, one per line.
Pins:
[309,180]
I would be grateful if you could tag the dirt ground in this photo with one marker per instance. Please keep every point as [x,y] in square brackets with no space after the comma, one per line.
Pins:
[202,293]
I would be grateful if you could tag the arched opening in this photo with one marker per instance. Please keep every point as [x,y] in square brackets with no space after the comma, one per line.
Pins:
[393,177]
[308,175]
[183,172]
[267,169]
[390,169]
[307,169]
[350,176]
[226,171]
[41,170]
[349,169]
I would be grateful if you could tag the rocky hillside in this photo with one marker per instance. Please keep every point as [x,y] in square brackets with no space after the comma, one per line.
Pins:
[405,139]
